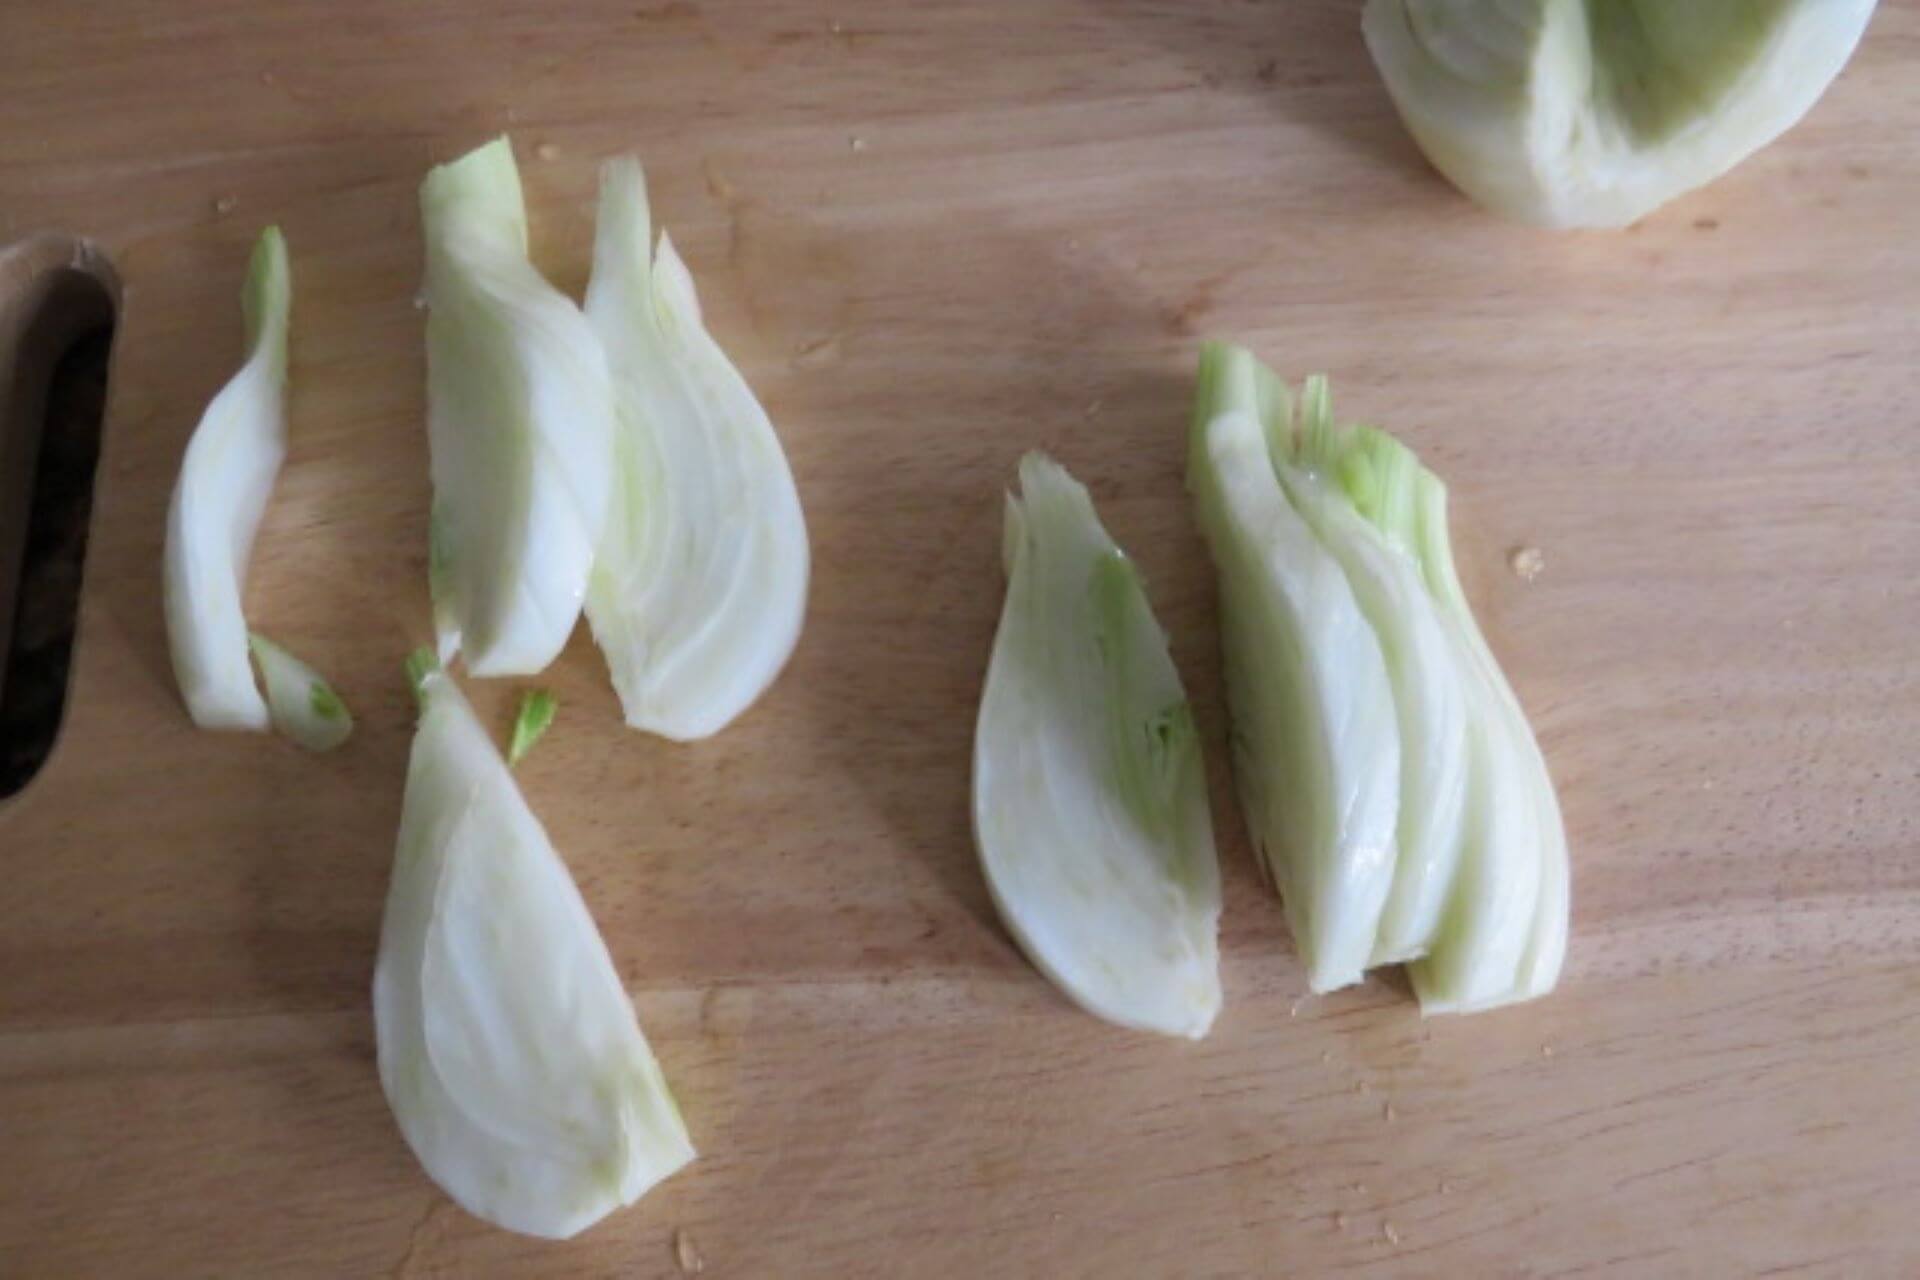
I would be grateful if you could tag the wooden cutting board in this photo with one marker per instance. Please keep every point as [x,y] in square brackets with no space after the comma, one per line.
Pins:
[936,236]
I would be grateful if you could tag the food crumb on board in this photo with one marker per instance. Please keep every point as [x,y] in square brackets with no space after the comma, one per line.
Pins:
[687,1254]
[1546,1051]
[547,151]
[225,205]
[1388,1230]
[1387,1113]
[1339,1220]
[1526,562]
[856,143]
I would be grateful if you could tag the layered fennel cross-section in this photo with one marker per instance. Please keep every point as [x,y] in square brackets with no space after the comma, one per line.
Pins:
[1391,781]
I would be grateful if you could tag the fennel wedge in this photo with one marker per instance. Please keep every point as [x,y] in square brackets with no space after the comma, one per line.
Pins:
[1476,898]
[1089,799]
[700,587]
[507,1046]
[1316,741]
[520,423]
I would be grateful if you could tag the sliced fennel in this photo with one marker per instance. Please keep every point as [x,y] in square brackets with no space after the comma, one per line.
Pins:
[507,1046]
[520,419]
[221,493]
[1498,894]
[1422,667]
[1089,800]
[1316,740]
[701,583]
[304,707]
[537,709]
[1596,112]
[1479,899]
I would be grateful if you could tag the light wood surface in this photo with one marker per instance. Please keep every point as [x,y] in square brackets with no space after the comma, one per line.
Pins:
[934,236]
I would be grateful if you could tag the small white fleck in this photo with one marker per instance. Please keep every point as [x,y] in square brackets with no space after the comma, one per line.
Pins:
[225,205]
[1359,1188]
[1339,1221]
[1526,562]
[1546,1051]
[547,151]
[420,300]
[687,1253]
[1093,411]
[857,143]
[1387,1230]
[1387,1113]
[1326,1055]
[835,26]
[1293,1010]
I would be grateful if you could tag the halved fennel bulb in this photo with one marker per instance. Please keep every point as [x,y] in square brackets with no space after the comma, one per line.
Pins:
[700,588]
[1316,740]
[1479,896]
[507,1046]
[520,420]
[1596,112]
[1089,799]
[218,499]
[304,707]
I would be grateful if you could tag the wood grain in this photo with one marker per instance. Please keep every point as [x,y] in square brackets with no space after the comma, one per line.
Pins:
[1706,424]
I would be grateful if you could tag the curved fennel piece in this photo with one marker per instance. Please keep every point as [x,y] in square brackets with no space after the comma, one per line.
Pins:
[507,1046]
[520,420]
[700,588]
[1594,113]
[225,480]
[1089,800]
[1316,740]
[304,707]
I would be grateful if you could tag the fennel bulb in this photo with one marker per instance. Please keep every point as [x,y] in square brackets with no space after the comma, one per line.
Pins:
[1593,113]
